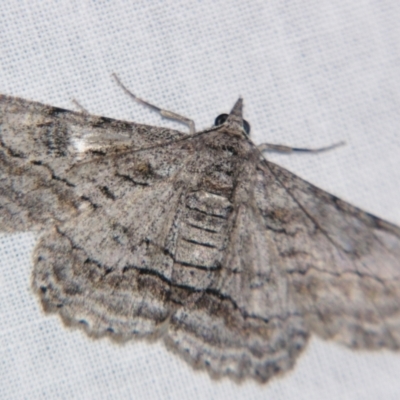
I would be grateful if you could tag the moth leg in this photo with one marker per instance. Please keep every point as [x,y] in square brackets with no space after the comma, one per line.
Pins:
[80,106]
[280,148]
[164,113]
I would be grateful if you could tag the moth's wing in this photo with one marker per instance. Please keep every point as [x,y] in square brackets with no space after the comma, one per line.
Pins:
[40,144]
[104,273]
[342,264]
[109,268]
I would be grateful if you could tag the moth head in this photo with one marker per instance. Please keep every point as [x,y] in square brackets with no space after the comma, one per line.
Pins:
[234,118]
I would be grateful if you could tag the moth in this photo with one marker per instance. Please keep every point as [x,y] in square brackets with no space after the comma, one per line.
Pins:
[193,239]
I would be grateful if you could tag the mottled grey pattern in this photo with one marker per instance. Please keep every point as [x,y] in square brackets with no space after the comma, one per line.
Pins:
[197,240]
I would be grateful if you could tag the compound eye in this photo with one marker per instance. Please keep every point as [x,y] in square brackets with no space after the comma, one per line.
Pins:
[221,119]
[246,127]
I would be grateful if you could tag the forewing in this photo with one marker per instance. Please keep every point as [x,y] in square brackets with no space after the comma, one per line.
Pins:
[342,264]
[110,268]
[104,272]
[40,144]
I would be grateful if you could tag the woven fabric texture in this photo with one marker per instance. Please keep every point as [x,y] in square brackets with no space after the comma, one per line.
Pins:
[311,74]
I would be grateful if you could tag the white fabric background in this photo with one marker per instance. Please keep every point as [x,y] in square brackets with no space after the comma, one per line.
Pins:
[311,74]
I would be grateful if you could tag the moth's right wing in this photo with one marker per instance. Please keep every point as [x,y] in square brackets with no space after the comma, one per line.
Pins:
[39,147]
[342,264]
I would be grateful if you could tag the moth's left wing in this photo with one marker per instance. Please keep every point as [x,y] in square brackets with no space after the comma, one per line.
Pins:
[343,264]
